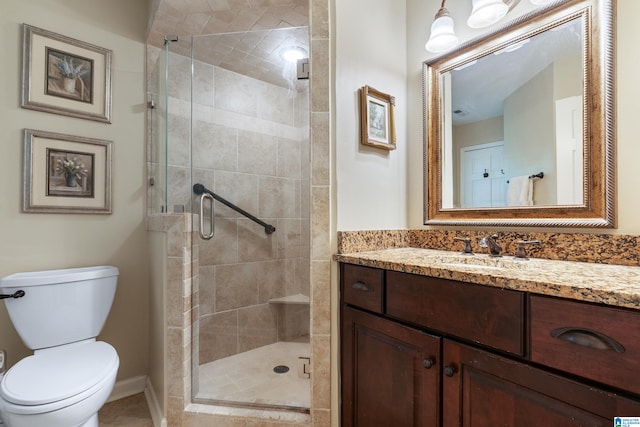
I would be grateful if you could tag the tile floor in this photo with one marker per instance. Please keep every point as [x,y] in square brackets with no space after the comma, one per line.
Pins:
[131,411]
[246,377]
[249,377]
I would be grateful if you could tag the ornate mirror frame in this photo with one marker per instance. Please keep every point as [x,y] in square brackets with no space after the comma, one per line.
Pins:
[598,209]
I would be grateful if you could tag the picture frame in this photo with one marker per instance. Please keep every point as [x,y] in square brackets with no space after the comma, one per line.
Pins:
[65,76]
[377,122]
[66,173]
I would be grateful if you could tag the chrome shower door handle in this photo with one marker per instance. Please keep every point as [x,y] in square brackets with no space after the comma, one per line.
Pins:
[212,224]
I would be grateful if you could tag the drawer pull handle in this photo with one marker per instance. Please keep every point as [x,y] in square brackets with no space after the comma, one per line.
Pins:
[587,338]
[361,286]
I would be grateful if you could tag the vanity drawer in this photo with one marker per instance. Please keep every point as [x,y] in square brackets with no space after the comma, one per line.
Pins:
[482,314]
[592,341]
[363,287]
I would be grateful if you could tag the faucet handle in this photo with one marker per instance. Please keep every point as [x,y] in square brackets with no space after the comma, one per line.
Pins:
[520,247]
[467,245]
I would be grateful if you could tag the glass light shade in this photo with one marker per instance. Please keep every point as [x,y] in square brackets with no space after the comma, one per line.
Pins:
[486,12]
[442,36]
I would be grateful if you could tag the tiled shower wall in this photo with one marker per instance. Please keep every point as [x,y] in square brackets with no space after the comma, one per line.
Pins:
[251,147]
[176,393]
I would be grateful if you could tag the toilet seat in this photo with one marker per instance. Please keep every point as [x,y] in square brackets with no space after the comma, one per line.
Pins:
[57,377]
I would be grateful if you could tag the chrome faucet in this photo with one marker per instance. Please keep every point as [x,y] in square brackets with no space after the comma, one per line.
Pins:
[521,253]
[490,242]
[467,245]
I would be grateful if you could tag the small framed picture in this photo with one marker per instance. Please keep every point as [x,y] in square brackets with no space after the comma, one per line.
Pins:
[377,124]
[65,76]
[66,174]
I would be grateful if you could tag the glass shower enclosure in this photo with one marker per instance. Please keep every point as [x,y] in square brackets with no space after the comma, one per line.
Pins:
[233,120]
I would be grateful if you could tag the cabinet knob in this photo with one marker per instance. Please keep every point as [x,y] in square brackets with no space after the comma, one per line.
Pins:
[428,363]
[449,370]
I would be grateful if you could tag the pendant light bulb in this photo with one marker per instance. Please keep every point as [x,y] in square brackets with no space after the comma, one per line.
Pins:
[486,12]
[443,36]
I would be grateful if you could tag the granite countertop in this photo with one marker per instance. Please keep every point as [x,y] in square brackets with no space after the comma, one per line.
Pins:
[614,285]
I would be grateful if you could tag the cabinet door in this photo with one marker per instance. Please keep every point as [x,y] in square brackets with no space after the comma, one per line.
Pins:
[481,389]
[390,373]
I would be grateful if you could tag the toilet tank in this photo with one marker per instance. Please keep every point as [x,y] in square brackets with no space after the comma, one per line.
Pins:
[60,306]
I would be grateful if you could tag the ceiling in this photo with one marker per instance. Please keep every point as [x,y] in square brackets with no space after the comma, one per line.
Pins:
[244,36]
[479,90]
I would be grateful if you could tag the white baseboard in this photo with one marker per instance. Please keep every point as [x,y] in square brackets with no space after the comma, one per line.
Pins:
[128,387]
[154,407]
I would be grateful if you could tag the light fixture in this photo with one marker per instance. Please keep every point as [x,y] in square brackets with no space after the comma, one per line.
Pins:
[293,53]
[442,37]
[512,47]
[487,12]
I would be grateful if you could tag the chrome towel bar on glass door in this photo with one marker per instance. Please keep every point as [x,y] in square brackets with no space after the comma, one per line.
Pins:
[201,189]
[212,221]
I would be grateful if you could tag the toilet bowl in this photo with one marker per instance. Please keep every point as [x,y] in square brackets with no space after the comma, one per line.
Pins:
[71,374]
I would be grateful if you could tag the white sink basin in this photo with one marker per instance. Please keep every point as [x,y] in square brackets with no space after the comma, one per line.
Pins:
[483,262]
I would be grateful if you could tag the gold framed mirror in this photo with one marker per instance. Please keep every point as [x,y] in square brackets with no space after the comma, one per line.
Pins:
[519,124]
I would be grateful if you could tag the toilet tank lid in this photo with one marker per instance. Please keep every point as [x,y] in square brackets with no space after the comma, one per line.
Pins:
[37,278]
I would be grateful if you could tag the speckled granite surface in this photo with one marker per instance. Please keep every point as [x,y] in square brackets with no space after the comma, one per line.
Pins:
[583,247]
[614,285]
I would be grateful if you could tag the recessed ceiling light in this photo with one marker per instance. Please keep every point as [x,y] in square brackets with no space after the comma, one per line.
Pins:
[293,53]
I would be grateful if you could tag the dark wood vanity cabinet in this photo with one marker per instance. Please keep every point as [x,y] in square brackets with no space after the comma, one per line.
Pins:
[484,389]
[390,373]
[420,351]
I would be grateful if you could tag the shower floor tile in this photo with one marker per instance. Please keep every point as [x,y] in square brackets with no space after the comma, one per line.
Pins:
[249,377]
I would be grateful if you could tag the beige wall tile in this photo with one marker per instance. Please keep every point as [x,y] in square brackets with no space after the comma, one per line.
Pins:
[218,336]
[289,159]
[215,147]
[223,247]
[236,286]
[320,69]
[321,367]
[320,148]
[254,244]
[203,80]
[279,197]
[257,153]
[206,294]
[238,188]
[256,326]
[321,285]
[232,93]
[320,228]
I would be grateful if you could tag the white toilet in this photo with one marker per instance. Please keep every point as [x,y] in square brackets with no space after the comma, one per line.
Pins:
[70,375]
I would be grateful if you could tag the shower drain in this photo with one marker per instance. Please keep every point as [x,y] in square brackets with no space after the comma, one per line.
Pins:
[281,369]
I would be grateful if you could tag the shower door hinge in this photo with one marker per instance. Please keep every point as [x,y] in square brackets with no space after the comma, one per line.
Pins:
[304,367]
[303,69]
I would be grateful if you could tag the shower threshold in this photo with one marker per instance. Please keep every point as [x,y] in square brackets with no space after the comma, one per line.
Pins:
[248,379]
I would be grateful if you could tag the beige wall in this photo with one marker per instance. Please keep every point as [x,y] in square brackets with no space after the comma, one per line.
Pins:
[158,255]
[48,241]
[529,134]
[627,92]
[370,50]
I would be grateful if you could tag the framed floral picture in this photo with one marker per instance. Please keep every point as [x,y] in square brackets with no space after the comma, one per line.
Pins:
[65,76]
[377,123]
[66,174]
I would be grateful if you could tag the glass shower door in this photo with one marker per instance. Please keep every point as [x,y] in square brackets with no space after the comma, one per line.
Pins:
[246,127]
